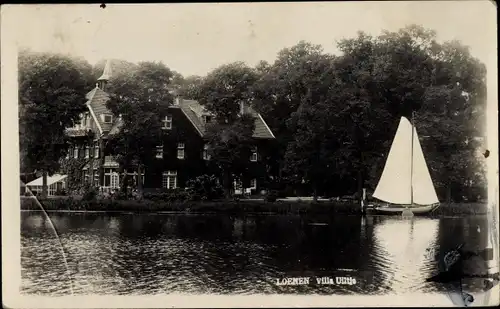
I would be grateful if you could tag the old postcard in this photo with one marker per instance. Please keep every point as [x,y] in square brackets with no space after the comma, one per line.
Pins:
[315,154]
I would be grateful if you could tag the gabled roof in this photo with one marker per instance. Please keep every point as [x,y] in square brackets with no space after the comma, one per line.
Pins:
[194,111]
[96,103]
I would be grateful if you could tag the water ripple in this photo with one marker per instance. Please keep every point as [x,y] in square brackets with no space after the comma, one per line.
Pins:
[147,255]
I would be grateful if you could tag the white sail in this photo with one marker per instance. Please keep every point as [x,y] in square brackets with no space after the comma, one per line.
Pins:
[424,192]
[396,184]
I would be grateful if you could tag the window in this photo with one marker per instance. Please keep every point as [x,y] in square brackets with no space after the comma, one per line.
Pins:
[75,153]
[96,176]
[159,152]
[87,152]
[133,177]
[115,180]
[78,122]
[107,118]
[111,178]
[69,153]
[107,177]
[206,155]
[169,180]
[238,186]
[208,119]
[96,151]
[86,176]
[84,120]
[52,189]
[254,156]
[167,122]
[253,184]
[180,151]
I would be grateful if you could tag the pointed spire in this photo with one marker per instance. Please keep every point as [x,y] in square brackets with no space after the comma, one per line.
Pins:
[106,74]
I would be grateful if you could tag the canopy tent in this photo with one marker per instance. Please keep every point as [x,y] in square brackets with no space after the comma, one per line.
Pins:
[54,183]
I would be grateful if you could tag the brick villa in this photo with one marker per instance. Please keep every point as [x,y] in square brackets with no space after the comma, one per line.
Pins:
[182,156]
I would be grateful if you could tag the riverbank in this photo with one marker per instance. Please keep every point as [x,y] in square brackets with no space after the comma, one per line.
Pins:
[233,207]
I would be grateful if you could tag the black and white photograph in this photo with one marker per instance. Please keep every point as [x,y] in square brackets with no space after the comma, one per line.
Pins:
[311,154]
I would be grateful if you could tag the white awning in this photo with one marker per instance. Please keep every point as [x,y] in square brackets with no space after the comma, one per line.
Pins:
[50,180]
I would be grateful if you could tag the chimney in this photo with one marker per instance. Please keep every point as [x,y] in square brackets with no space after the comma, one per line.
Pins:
[177,100]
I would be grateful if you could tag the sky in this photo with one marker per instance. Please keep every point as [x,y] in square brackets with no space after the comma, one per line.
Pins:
[196,38]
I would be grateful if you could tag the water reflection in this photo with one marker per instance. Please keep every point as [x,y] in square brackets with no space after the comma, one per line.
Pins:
[473,234]
[403,244]
[158,254]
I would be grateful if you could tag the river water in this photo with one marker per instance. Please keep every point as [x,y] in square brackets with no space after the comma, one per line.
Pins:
[138,254]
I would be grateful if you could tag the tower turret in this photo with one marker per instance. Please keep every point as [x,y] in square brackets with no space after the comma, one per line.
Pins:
[106,74]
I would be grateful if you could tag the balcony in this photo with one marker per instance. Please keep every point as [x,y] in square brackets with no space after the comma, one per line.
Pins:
[78,131]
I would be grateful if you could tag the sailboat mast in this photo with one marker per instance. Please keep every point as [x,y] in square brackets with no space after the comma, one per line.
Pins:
[411,163]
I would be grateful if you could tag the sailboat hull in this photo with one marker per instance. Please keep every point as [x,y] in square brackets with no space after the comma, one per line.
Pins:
[398,210]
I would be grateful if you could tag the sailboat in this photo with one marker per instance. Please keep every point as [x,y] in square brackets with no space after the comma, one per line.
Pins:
[405,186]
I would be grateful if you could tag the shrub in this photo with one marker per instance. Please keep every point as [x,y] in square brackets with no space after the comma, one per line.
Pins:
[120,195]
[204,188]
[61,192]
[172,195]
[271,196]
[89,193]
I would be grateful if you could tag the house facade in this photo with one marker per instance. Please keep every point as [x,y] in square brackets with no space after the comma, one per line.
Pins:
[182,155]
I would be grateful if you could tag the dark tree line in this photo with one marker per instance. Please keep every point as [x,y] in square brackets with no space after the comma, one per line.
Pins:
[334,116]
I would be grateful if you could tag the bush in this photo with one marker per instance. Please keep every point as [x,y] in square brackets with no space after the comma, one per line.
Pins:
[204,188]
[271,196]
[172,195]
[119,195]
[61,192]
[243,207]
[89,193]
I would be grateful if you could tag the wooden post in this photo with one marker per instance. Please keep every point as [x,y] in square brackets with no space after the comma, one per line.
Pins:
[407,211]
[44,184]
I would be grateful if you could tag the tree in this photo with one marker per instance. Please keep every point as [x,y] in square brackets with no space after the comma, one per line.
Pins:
[400,72]
[454,113]
[279,91]
[52,91]
[345,115]
[139,98]
[229,148]
[222,92]
[309,154]
[190,87]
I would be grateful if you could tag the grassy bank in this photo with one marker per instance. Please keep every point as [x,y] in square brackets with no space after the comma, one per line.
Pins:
[461,209]
[257,206]
[254,206]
